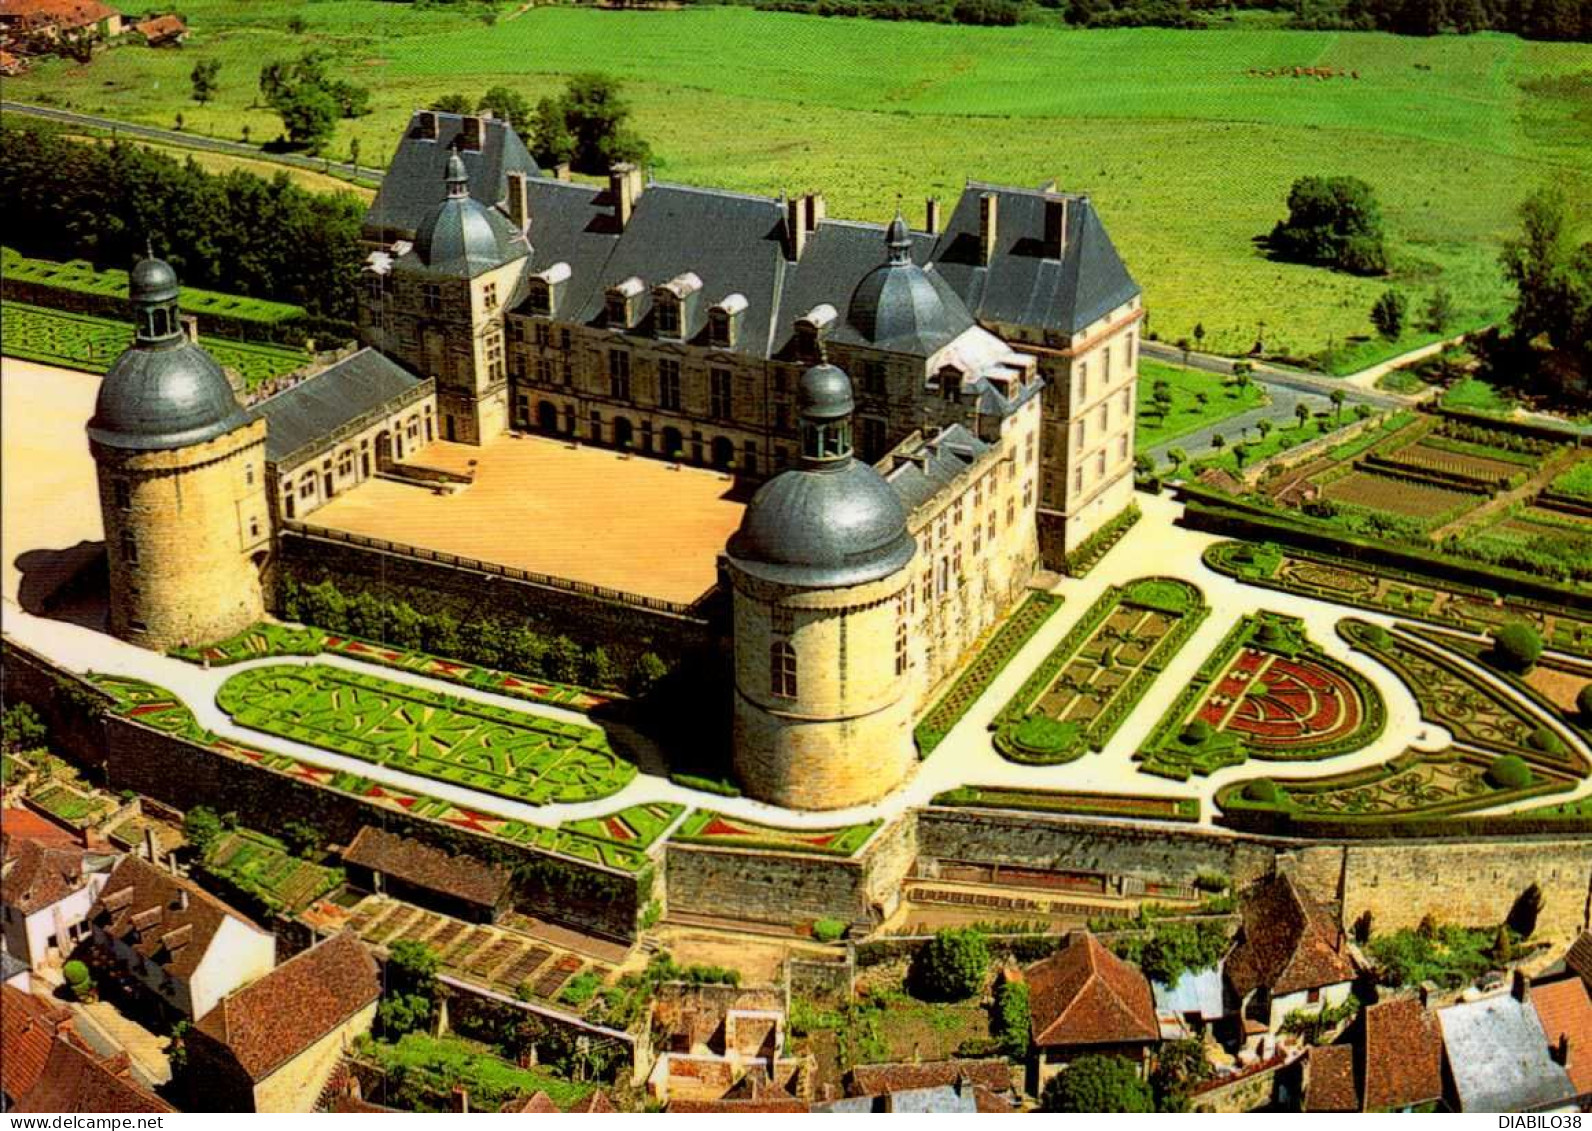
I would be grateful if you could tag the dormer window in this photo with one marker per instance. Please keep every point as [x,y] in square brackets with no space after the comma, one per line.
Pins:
[810,330]
[950,382]
[666,317]
[724,322]
[545,288]
[672,306]
[621,303]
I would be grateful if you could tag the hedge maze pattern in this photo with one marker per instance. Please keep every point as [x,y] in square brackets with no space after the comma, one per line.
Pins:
[1081,693]
[704,826]
[535,760]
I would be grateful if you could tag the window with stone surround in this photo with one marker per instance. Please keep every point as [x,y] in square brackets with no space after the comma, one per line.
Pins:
[544,334]
[719,394]
[489,296]
[129,548]
[782,670]
[431,297]
[494,357]
[666,317]
[873,378]
[669,384]
[123,494]
[619,374]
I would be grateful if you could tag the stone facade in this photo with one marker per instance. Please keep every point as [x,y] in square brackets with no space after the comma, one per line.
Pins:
[187,531]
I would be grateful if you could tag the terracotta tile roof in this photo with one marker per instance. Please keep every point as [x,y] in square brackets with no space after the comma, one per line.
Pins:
[536,1104]
[353,1105]
[26,824]
[879,1079]
[37,875]
[989,1103]
[426,867]
[29,1026]
[1565,1011]
[1085,995]
[1287,942]
[161,27]
[1578,960]
[597,1103]
[745,1107]
[76,1081]
[64,13]
[272,1020]
[1402,1065]
[147,909]
[1329,1080]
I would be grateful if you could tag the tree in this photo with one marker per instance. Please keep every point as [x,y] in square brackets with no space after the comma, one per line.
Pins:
[1180,1066]
[302,838]
[454,103]
[1583,701]
[353,152]
[1439,310]
[1516,646]
[1199,335]
[79,979]
[1553,284]
[309,115]
[177,121]
[1218,441]
[588,126]
[1184,346]
[1178,457]
[1332,222]
[203,78]
[1241,455]
[1526,910]
[309,100]
[1264,426]
[22,729]
[1387,314]
[645,673]
[950,966]
[409,999]
[1097,1084]
[511,107]
[1011,1023]
[202,828]
[1337,398]
[1301,412]
[1363,926]
[1143,465]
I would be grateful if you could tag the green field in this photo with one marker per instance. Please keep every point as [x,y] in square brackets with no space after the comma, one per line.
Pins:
[81,341]
[1188,154]
[1224,398]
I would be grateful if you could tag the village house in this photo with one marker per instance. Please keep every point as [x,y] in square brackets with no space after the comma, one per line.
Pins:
[1497,1058]
[723,1043]
[1564,1009]
[46,1067]
[407,870]
[46,894]
[184,946]
[162,31]
[1290,956]
[55,20]
[1085,1000]
[1390,1059]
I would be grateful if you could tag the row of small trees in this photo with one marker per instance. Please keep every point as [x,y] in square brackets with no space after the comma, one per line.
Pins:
[588,125]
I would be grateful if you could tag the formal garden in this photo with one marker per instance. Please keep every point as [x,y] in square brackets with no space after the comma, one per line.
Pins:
[268,639]
[82,341]
[510,753]
[1135,806]
[704,826]
[1089,683]
[991,659]
[1266,692]
[1386,589]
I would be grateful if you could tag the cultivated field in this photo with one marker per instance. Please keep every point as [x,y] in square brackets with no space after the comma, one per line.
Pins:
[1187,148]
[1397,496]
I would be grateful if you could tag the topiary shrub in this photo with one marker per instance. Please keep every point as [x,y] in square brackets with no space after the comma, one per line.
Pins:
[1196,732]
[79,980]
[1583,700]
[828,930]
[1516,646]
[1043,736]
[1264,791]
[1545,740]
[1269,632]
[1509,772]
[1377,636]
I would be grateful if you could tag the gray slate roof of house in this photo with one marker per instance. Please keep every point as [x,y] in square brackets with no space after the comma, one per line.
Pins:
[414,177]
[944,457]
[1020,285]
[10,965]
[945,1098]
[1197,992]
[319,405]
[1498,1054]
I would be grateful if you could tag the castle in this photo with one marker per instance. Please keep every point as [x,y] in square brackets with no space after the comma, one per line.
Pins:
[931,415]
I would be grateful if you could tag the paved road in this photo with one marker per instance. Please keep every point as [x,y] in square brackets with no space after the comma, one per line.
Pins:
[1277,375]
[1279,410]
[194,141]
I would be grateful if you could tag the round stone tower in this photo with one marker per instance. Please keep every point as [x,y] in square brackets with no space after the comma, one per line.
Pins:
[182,482]
[820,569]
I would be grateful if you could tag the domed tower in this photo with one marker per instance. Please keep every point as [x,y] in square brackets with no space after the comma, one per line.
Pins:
[820,570]
[902,307]
[182,482]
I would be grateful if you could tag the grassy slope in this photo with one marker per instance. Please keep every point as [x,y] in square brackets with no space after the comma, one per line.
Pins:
[1188,156]
[1225,399]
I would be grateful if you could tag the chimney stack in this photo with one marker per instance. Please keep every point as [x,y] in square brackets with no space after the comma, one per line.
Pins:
[623,187]
[561,171]
[1561,1051]
[151,845]
[182,899]
[988,221]
[1522,986]
[796,224]
[519,201]
[816,210]
[931,216]
[428,125]
[190,327]
[1055,227]
[473,133]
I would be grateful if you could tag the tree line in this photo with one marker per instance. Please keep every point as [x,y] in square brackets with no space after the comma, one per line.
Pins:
[233,232]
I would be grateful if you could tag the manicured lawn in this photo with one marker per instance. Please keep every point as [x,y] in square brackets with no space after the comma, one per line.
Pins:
[78,341]
[1223,398]
[704,826]
[511,753]
[1188,152]
[1475,395]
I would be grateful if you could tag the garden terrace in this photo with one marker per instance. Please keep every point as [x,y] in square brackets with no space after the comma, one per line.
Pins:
[427,1072]
[1553,683]
[79,341]
[594,843]
[703,826]
[263,867]
[989,660]
[477,745]
[1089,683]
[1310,573]
[1139,806]
[72,807]
[265,640]
[1266,692]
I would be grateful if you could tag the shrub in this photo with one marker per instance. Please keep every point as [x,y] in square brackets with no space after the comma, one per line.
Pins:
[1509,772]
[1197,731]
[1545,740]
[1011,1021]
[1377,636]
[1524,913]
[1583,700]
[1516,646]
[1263,790]
[1387,314]
[1097,1084]
[1041,734]
[21,729]
[828,930]
[950,966]
[79,979]
[202,828]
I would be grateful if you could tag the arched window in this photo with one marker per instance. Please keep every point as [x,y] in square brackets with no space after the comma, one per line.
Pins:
[782,670]
[901,645]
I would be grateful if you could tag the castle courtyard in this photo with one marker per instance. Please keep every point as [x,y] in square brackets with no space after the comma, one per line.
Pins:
[546,506]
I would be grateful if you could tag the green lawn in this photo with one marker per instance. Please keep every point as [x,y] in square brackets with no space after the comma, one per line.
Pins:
[79,341]
[1475,395]
[1223,398]
[1187,152]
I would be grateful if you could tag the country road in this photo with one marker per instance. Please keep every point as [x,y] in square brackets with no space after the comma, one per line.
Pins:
[194,141]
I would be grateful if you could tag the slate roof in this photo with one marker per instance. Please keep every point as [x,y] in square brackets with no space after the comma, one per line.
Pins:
[10,965]
[29,1026]
[275,1018]
[1085,995]
[1021,285]
[317,406]
[1402,1056]
[413,183]
[164,394]
[426,867]
[76,1081]
[878,1079]
[38,875]
[141,906]
[1565,1011]
[921,472]
[1498,1057]
[1329,1080]
[1287,942]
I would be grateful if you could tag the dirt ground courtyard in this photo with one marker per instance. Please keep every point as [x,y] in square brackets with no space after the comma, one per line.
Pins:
[588,514]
